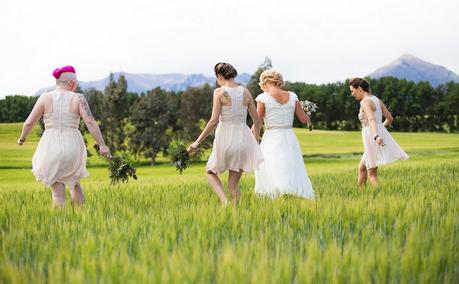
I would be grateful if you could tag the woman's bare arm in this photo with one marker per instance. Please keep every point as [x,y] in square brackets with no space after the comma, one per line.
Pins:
[256,127]
[91,124]
[212,123]
[369,109]
[34,116]
[387,115]
[261,115]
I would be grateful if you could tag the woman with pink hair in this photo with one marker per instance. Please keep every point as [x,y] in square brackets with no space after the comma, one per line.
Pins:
[60,157]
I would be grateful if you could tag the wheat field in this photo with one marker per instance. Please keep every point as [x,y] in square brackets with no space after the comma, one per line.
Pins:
[170,228]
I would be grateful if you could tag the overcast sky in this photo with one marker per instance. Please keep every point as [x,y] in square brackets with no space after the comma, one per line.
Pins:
[312,41]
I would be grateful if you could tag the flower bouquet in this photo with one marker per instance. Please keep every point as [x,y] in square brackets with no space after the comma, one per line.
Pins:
[179,156]
[308,107]
[121,168]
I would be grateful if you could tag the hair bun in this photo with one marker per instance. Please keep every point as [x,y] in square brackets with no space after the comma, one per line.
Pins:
[272,77]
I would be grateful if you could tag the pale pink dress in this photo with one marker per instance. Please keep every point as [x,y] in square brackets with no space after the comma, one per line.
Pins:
[61,153]
[234,147]
[375,155]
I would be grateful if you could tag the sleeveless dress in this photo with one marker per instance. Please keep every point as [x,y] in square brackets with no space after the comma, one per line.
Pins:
[283,171]
[375,155]
[61,153]
[234,147]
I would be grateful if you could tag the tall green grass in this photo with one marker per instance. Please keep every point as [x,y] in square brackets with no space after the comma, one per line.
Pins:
[170,228]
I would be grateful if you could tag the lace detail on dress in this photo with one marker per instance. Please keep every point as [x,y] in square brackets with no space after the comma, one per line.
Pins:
[278,115]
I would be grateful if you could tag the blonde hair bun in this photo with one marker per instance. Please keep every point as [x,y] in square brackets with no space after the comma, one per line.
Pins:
[271,77]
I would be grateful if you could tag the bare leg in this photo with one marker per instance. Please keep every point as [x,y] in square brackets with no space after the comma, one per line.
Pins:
[233,184]
[58,193]
[373,176]
[217,186]
[77,195]
[362,178]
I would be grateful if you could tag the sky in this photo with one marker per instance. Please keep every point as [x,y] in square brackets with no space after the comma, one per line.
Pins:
[310,41]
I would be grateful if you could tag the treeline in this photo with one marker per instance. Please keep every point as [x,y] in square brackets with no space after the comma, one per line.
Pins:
[145,123]
[415,107]
[16,108]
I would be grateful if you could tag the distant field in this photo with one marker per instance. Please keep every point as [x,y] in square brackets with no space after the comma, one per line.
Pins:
[168,227]
[317,144]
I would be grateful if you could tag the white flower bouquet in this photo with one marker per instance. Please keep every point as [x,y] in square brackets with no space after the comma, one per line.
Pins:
[309,108]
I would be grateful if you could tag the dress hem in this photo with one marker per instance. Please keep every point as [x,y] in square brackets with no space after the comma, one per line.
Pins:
[379,164]
[274,195]
[219,171]
[71,184]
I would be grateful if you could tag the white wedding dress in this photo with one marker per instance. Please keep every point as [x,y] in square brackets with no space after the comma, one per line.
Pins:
[283,170]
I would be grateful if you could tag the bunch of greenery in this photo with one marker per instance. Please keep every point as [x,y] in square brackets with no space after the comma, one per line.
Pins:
[121,168]
[179,155]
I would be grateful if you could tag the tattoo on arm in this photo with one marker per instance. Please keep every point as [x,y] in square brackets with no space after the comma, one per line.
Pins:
[85,106]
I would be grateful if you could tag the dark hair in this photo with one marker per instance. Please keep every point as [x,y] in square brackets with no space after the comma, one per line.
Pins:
[360,82]
[226,70]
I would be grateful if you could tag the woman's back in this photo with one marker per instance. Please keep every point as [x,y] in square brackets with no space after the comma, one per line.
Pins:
[278,115]
[58,113]
[377,112]
[235,111]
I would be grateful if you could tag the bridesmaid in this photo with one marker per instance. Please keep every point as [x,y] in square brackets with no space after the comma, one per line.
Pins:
[235,148]
[379,146]
[60,158]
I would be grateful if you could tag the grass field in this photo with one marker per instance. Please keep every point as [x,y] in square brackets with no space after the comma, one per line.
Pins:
[170,228]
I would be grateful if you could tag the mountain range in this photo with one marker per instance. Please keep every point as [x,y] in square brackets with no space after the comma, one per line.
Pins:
[406,67]
[414,69]
[138,83]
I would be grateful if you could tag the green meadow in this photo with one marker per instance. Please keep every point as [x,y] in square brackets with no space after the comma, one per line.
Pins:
[170,228]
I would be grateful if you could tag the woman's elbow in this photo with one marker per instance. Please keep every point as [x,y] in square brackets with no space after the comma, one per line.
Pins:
[91,123]
[213,123]
[28,123]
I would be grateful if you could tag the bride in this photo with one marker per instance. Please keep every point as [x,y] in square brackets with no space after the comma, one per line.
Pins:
[283,170]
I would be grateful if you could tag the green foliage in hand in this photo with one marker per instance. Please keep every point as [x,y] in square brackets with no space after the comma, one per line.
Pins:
[121,167]
[179,155]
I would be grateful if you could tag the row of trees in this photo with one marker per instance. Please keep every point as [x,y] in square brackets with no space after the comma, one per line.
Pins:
[416,107]
[16,108]
[145,123]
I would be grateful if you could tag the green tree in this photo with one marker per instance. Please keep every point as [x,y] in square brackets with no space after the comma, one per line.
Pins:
[252,85]
[153,118]
[114,114]
[96,101]
[16,108]
[195,111]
